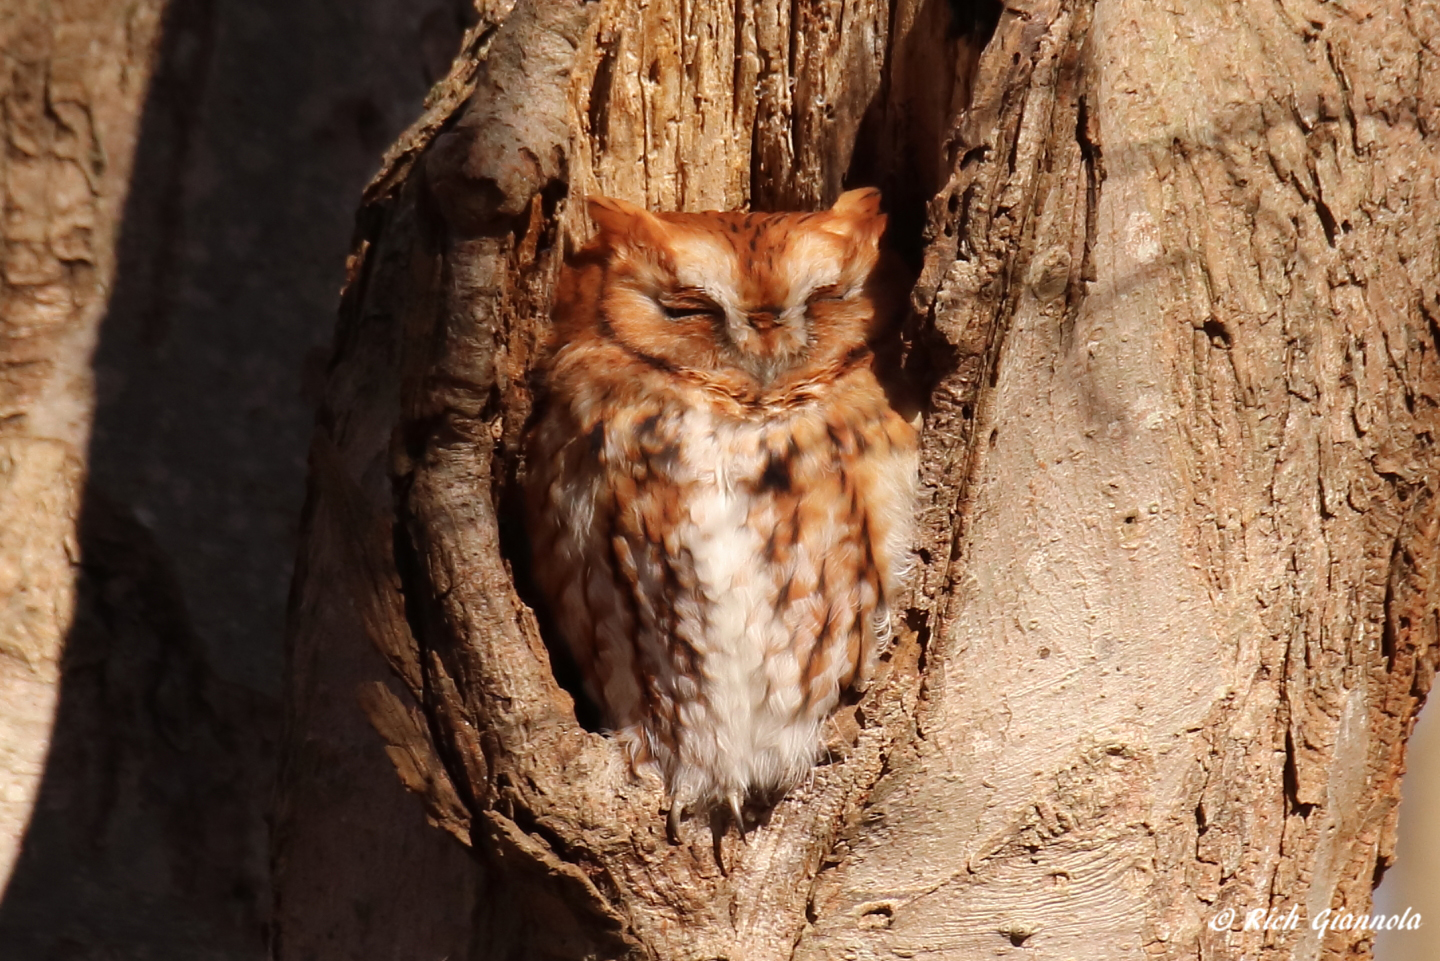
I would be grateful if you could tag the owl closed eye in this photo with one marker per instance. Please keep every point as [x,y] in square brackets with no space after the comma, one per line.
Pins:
[718,495]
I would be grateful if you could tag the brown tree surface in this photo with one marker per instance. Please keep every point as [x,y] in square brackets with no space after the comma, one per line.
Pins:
[118,747]
[1176,323]
[65,91]
[178,181]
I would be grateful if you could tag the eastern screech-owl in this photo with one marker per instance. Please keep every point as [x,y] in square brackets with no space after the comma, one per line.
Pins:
[719,495]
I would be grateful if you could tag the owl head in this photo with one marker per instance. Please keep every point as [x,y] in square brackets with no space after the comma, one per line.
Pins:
[758,296]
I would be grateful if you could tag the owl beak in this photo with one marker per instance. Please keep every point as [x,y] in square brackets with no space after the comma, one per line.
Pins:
[763,342]
[764,321]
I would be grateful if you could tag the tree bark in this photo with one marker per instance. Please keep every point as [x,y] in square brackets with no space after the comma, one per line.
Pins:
[177,183]
[1176,322]
[126,825]
[72,88]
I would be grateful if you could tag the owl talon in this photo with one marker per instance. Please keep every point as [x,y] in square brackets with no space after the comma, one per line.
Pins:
[672,822]
[718,830]
[739,815]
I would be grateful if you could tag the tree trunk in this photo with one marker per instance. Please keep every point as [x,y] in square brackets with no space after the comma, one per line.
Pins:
[1176,322]
[177,184]
[126,823]
[72,87]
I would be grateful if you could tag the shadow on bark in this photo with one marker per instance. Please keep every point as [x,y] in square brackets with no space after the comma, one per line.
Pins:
[149,836]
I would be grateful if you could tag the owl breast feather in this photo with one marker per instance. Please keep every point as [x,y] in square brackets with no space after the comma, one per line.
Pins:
[723,580]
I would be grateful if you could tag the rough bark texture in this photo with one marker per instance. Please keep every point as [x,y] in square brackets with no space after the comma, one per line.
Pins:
[125,821]
[1192,606]
[1177,316]
[72,93]
[178,184]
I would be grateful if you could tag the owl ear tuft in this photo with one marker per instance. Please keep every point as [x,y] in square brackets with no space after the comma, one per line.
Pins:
[856,215]
[623,222]
[858,204]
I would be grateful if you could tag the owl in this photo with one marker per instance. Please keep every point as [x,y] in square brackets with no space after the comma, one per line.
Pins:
[719,498]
